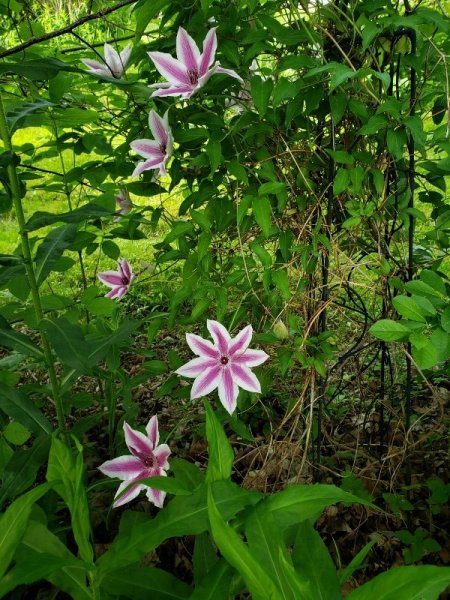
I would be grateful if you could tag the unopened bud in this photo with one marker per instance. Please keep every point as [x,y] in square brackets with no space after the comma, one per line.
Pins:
[280,330]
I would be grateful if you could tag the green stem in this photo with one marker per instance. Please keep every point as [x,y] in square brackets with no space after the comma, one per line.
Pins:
[29,267]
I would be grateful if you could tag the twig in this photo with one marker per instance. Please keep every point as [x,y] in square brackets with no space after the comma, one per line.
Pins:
[68,29]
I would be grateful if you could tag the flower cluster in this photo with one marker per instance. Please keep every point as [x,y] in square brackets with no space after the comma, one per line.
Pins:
[224,364]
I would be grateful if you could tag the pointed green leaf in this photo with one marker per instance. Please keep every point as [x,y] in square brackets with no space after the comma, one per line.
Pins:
[220,453]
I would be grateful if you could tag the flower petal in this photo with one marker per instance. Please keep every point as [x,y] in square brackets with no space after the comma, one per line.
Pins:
[96,67]
[229,72]
[123,467]
[245,378]
[187,50]
[112,59]
[194,367]
[240,343]
[152,431]
[170,68]
[162,453]
[209,51]
[152,163]
[201,347]
[117,292]
[122,291]
[251,358]
[110,278]
[147,148]
[159,128]
[156,496]
[125,55]
[228,391]
[128,496]
[206,382]
[185,91]
[220,335]
[137,442]
[125,269]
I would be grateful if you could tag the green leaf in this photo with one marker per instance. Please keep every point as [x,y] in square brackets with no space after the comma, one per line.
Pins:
[145,11]
[340,75]
[20,343]
[21,470]
[68,342]
[389,331]
[52,249]
[298,503]
[204,558]
[66,474]
[261,90]
[99,345]
[356,562]
[87,211]
[266,545]
[183,515]
[233,549]
[271,187]
[215,585]
[166,484]
[262,212]
[423,582]
[143,583]
[16,434]
[421,289]
[338,104]
[341,181]
[313,562]
[281,280]
[39,69]
[445,320]
[220,453]
[37,543]
[408,308]
[214,151]
[13,524]
[396,142]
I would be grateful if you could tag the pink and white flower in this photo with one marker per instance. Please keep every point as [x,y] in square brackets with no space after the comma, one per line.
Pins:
[119,281]
[224,365]
[158,151]
[147,459]
[123,202]
[187,73]
[115,63]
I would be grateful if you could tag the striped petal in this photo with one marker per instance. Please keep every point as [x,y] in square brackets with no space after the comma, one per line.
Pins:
[137,442]
[117,292]
[153,163]
[200,346]
[125,269]
[110,278]
[112,59]
[147,148]
[123,467]
[228,391]
[229,72]
[158,127]
[96,67]
[245,379]
[128,496]
[240,343]
[157,496]
[251,358]
[170,68]
[162,453]
[209,51]
[206,382]
[220,335]
[185,91]
[152,431]
[187,50]
[125,55]
[196,366]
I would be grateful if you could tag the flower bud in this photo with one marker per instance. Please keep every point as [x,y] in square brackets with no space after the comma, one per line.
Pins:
[280,330]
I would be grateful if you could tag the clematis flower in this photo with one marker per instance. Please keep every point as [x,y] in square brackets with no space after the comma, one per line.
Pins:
[123,202]
[147,459]
[158,151]
[187,73]
[224,365]
[115,63]
[119,281]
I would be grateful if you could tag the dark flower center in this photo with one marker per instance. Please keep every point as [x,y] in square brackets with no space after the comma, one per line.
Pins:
[224,360]
[163,148]
[125,280]
[193,76]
